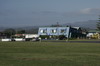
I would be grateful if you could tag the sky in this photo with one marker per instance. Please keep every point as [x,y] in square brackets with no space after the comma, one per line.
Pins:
[47,12]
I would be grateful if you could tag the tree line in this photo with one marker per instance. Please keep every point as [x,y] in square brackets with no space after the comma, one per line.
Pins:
[10,32]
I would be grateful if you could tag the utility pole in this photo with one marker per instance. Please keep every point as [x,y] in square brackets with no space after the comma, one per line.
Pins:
[58,29]
[58,24]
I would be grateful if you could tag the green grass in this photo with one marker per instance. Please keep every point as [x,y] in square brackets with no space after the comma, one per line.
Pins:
[49,54]
[85,40]
[71,40]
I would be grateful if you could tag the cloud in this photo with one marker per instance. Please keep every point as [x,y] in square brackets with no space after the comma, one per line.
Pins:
[87,12]
[90,11]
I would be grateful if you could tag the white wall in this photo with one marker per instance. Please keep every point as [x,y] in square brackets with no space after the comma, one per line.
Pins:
[31,35]
[19,39]
[5,39]
[89,34]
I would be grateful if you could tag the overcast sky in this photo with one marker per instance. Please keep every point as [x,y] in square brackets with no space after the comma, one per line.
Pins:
[47,12]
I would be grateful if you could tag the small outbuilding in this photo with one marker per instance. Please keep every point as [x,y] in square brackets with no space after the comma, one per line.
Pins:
[93,34]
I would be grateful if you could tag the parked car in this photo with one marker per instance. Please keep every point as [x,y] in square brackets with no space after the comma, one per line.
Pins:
[35,39]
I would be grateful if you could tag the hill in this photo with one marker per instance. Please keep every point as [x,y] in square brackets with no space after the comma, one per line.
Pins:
[86,24]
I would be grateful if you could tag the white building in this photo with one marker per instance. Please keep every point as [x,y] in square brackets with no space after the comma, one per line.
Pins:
[31,35]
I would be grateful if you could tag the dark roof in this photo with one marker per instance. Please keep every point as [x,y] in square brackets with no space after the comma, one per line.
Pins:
[94,31]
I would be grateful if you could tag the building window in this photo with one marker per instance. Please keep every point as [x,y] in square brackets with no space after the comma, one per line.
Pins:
[53,31]
[63,30]
[43,31]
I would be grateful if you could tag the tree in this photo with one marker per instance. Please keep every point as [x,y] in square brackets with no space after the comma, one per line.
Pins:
[98,23]
[21,31]
[9,32]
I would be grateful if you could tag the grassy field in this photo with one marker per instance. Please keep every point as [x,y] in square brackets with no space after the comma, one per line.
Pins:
[49,54]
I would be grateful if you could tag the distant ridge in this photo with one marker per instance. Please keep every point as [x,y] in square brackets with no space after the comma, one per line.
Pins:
[2,28]
[86,24]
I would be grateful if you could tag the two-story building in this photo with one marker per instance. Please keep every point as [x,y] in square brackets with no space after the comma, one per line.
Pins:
[67,32]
